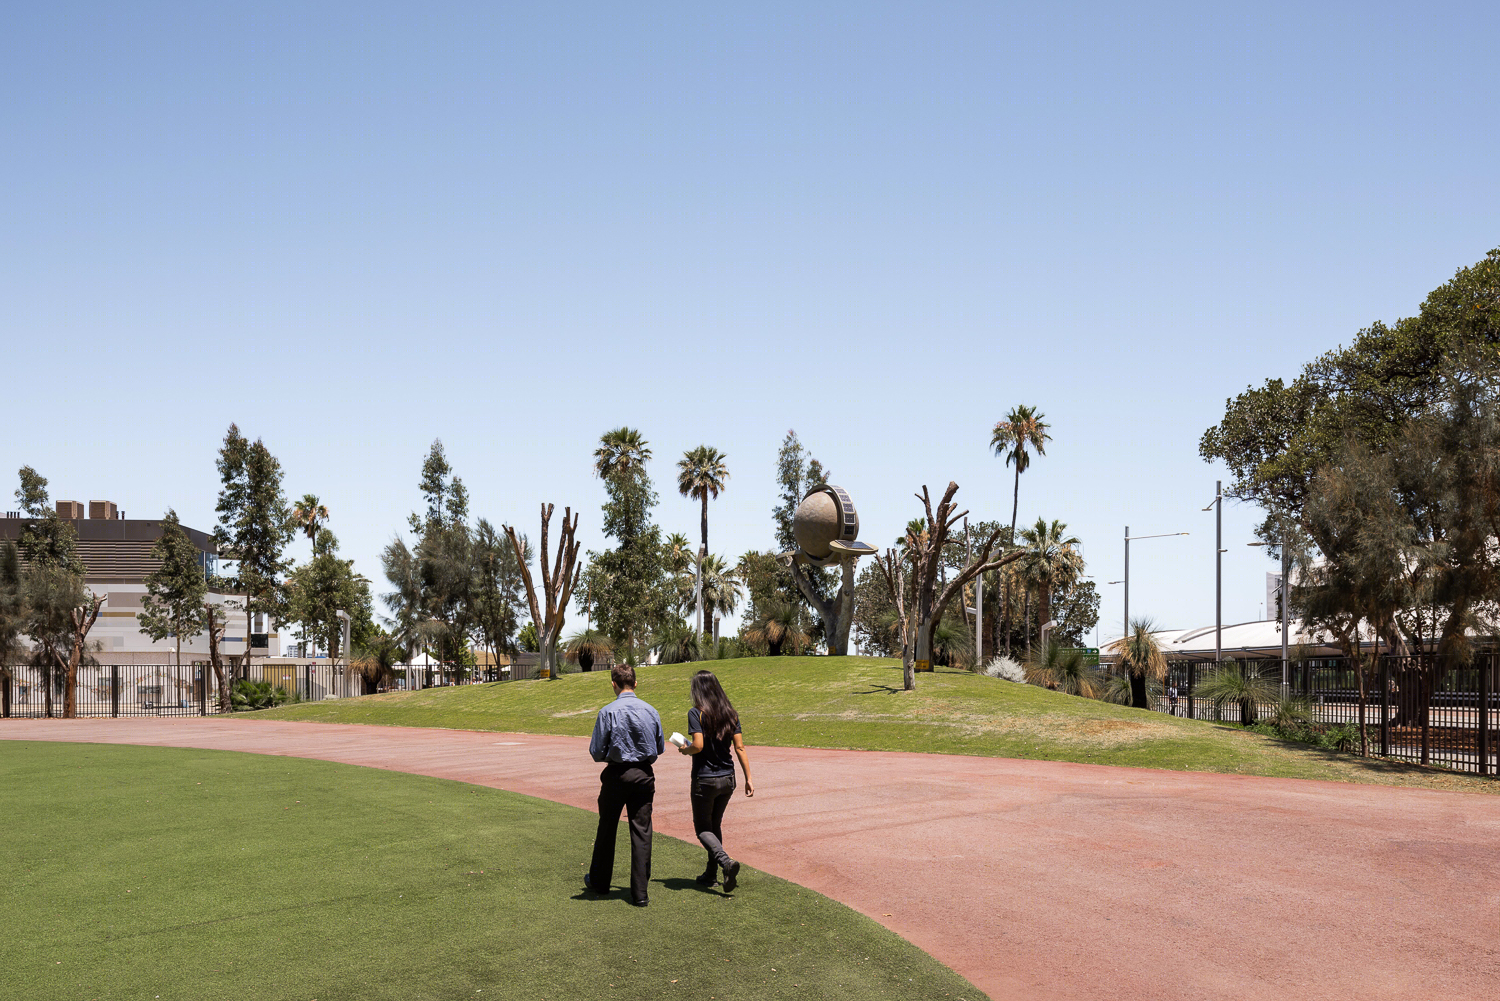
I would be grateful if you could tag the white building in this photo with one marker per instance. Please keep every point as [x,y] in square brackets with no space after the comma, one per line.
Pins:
[116,554]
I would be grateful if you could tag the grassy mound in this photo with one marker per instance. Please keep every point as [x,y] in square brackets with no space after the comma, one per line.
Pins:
[136,872]
[857,702]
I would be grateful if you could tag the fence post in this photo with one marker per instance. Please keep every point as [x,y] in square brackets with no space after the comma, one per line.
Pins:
[1385,706]
[1192,669]
[114,690]
[307,681]
[5,698]
[202,690]
[1487,665]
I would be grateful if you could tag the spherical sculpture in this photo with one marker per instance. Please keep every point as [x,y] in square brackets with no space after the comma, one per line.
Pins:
[825,516]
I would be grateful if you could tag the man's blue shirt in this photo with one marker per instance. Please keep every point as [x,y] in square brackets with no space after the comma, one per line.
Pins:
[628,731]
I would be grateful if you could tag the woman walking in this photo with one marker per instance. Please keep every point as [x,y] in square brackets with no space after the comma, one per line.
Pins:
[715,730]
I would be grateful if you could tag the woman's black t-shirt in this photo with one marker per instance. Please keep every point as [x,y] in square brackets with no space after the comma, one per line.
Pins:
[716,759]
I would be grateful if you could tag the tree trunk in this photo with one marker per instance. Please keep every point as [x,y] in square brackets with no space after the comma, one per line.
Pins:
[1138,697]
[702,552]
[548,661]
[845,609]
[215,633]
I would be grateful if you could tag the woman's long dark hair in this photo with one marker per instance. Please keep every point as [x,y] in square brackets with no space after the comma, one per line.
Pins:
[715,713]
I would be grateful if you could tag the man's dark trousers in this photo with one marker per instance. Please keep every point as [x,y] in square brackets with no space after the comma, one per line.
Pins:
[632,787]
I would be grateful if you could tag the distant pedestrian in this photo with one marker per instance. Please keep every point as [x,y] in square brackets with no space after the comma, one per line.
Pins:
[715,729]
[627,735]
[1172,698]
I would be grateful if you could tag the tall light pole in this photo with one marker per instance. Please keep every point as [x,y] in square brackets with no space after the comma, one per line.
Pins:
[1126,581]
[1217,506]
[1284,592]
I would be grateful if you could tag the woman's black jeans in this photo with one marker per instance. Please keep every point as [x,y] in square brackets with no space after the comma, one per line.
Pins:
[710,796]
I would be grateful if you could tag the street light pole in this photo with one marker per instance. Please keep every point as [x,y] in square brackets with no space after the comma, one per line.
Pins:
[1218,506]
[1128,539]
[1285,593]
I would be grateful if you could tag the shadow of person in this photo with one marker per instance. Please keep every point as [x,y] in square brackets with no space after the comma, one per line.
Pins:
[678,883]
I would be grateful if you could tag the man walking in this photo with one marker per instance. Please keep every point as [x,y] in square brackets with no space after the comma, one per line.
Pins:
[627,735]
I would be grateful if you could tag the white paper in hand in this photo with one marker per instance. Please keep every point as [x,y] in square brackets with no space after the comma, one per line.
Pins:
[678,739]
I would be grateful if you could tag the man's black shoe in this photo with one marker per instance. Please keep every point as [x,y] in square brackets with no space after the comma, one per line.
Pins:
[588,885]
[731,873]
[640,903]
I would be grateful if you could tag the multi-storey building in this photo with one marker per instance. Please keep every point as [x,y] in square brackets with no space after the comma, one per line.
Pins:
[116,554]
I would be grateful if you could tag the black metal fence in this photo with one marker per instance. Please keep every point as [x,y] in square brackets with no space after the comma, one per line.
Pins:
[161,689]
[1416,708]
[193,688]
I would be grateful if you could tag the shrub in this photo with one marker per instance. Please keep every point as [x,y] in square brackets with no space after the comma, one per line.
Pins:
[247,695]
[1005,669]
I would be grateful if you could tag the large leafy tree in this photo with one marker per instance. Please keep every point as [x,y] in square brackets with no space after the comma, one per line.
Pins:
[321,588]
[253,528]
[1420,393]
[175,591]
[701,474]
[629,588]
[59,609]
[434,577]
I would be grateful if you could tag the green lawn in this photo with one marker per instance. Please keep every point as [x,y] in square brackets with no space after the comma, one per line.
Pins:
[136,872]
[857,702]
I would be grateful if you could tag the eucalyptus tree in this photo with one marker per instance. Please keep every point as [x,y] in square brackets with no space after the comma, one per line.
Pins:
[433,578]
[60,608]
[253,528]
[630,591]
[176,590]
[321,588]
[701,474]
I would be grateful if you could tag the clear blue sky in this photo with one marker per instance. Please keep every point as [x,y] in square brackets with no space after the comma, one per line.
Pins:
[355,228]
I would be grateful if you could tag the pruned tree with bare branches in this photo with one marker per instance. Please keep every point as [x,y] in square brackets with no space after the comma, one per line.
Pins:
[929,603]
[558,581]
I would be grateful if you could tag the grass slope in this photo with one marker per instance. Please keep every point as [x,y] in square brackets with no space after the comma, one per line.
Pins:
[857,702]
[136,872]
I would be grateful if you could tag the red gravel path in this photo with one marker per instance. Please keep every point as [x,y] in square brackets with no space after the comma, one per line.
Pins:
[1037,880]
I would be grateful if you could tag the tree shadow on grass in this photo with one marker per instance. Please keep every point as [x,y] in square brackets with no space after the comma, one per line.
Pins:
[1374,764]
[879,689]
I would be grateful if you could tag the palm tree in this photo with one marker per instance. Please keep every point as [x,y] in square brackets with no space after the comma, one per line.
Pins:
[1063,669]
[701,473]
[678,556]
[620,451]
[308,515]
[1023,429]
[587,648]
[1052,561]
[1140,657]
[722,588]
[1245,684]
[676,642]
[777,625]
